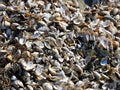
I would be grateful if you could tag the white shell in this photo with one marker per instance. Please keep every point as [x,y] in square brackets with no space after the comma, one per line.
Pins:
[18,83]
[13,78]
[28,44]
[47,86]
[27,65]
[2,6]
[22,41]
[39,44]
[97,75]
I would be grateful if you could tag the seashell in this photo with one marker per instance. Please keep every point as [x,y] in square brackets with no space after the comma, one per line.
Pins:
[47,45]
[59,18]
[18,84]
[117,75]
[88,59]
[105,77]
[115,11]
[108,17]
[39,44]
[113,30]
[13,78]
[9,32]
[117,17]
[5,24]
[97,75]
[79,69]
[3,52]
[26,77]
[9,65]
[48,6]
[13,25]
[47,86]
[70,85]
[117,53]
[59,42]
[20,89]
[35,35]
[2,6]
[38,70]
[104,43]
[54,78]
[38,60]
[29,87]
[52,41]
[31,4]
[71,8]
[28,44]
[41,3]
[56,87]
[80,84]
[115,44]
[27,65]
[10,57]
[61,60]
[43,29]
[10,8]
[104,61]
[26,54]
[22,41]
[17,54]
[1,18]
[52,70]
[104,87]
[35,54]
[12,88]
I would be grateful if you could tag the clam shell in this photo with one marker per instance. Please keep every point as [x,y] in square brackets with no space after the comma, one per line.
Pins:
[13,78]
[5,24]
[104,61]
[47,86]
[38,70]
[22,41]
[97,75]
[28,44]
[17,84]
[39,44]
[27,65]
[2,6]
[47,45]
[29,87]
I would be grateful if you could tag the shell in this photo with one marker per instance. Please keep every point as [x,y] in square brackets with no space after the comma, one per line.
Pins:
[30,87]
[2,6]
[17,84]
[13,78]
[47,86]
[22,41]
[97,75]
[38,71]
[5,24]
[104,61]
[39,44]
[27,65]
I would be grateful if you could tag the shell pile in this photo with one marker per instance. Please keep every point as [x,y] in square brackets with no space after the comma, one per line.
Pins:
[53,45]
